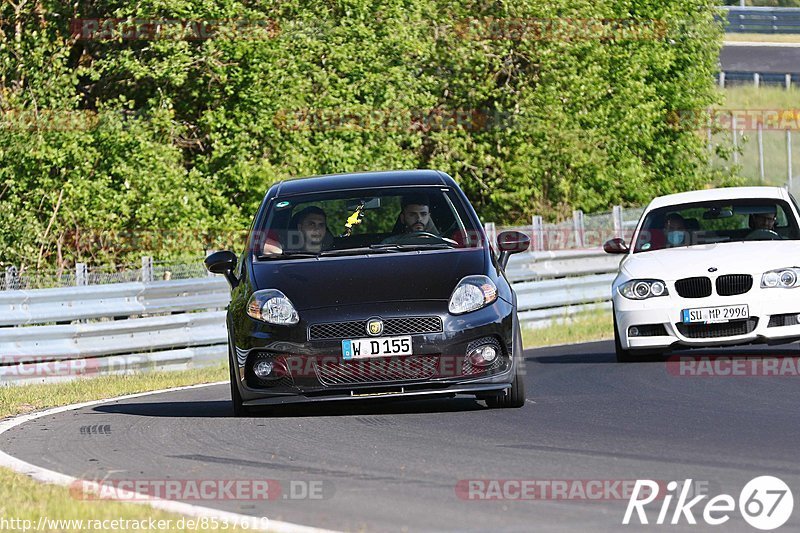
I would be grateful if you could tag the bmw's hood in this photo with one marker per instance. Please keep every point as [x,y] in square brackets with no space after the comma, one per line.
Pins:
[331,281]
[753,257]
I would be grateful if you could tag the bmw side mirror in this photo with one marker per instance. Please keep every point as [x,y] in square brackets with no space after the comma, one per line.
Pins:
[615,246]
[223,262]
[511,242]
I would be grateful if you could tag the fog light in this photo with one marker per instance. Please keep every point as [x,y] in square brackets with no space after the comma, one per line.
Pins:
[262,369]
[483,355]
[633,331]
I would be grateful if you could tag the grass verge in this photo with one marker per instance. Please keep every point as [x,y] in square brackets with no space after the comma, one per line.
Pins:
[582,327]
[763,37]
[27,501]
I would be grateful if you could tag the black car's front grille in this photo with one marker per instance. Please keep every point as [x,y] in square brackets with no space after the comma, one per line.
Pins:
[732,284]
[723,329]
[332,373]
[391,326]
[693,287]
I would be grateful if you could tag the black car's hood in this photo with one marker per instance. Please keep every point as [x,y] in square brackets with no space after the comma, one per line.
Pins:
[330,281]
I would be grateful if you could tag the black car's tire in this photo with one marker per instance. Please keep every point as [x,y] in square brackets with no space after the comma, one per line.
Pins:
[623,356]
[515,396]
[236,397]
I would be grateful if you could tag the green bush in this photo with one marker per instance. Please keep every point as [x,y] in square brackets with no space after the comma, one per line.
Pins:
[178,139]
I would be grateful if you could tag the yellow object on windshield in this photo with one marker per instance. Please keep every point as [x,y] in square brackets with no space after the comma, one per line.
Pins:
[354,219]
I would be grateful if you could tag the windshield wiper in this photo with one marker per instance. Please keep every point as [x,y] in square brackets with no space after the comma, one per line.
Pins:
[285,255]
[420,246]
[356,251]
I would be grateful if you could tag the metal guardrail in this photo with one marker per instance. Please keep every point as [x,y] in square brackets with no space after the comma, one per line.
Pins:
[57,334]
[762,19]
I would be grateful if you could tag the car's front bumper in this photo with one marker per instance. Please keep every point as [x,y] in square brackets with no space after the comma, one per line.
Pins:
[763,304]
[314,370]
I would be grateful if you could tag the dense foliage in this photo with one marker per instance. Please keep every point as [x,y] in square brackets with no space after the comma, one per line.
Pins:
[118,141]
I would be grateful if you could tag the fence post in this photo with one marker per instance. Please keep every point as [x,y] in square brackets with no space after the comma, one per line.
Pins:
[789,157]
[81,275]
[756,79]
[577,224]
[761,152]
[147,269]
[491,233]
[12,278]
[616,215]
[537,231]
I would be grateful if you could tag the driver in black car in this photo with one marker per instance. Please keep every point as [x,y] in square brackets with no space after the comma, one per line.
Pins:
[415,215]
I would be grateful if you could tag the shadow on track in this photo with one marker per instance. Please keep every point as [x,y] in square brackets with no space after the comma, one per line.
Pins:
[222,409]
[603,352]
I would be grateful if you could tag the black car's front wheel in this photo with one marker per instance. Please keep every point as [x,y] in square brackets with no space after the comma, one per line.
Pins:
[515,396]
[236,397]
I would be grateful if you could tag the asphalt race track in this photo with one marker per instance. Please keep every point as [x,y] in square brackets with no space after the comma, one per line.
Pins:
[763,59]
[395,466]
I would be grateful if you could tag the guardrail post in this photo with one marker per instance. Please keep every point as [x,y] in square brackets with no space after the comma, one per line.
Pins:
[537,233]
[81,275]
[788,81]
[577,223]
[722,79]
[147,269]
[491,233]
[12,278]
[616,215]
[789,158]
[756,79]
[760,132]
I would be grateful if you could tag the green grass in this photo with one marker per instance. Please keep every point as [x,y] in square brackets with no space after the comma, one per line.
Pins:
[763,37]
[583,327]
[25,499]
[21,399]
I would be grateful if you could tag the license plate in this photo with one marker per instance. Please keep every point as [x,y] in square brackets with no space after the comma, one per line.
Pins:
[708,315]
[377,347]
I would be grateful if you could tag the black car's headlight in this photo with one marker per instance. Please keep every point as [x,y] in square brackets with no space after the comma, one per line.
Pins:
[642,289]
[273,307]
[783,278]
[471,294]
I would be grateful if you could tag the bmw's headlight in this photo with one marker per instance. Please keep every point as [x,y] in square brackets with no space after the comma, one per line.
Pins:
[273,307]
[642,289]
[783,278]
[472,293]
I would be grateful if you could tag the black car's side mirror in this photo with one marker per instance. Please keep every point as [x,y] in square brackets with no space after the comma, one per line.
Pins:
[511,242]
[223,262]
[615,246]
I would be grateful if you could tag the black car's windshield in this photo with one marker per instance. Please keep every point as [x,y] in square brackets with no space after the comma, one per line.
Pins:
[378,221]
[717,222]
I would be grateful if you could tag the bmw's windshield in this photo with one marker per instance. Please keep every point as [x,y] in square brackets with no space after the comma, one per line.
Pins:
[363,221]
[717,222]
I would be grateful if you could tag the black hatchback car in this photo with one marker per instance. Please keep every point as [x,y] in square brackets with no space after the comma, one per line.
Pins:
[368,285]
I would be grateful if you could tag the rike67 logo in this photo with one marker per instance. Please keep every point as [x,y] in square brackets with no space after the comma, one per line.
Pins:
[765,503]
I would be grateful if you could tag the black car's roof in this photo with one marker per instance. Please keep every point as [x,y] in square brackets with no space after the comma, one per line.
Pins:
[335,182]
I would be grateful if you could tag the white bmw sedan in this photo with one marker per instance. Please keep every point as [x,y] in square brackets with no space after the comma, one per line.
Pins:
[716,267]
